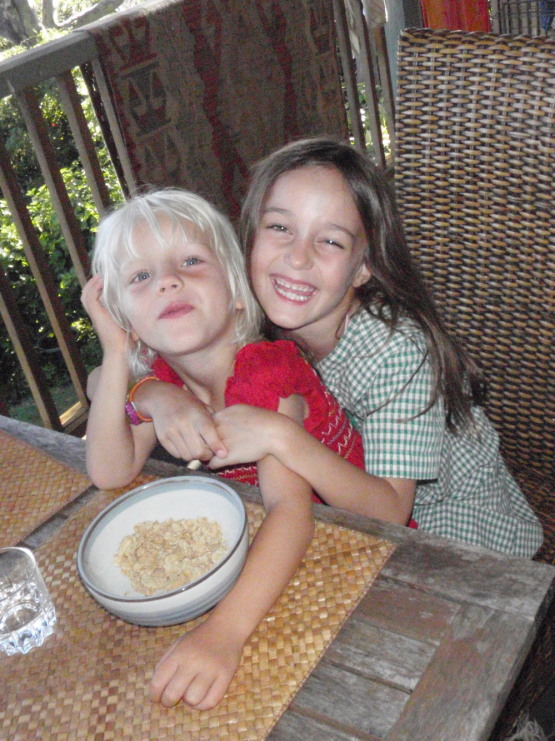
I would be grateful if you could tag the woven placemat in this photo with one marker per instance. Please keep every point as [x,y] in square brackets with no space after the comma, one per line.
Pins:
[34,487]
[91,678]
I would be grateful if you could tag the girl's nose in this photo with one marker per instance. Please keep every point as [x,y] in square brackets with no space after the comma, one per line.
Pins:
[167,282]
[299,255]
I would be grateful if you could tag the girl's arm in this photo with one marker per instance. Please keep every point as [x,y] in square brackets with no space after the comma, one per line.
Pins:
[337,481]
[109,435]
[199,667]
[251,432]
[182,423]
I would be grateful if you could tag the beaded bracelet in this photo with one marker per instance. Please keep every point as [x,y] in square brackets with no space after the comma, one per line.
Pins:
[132,413]
[135,417]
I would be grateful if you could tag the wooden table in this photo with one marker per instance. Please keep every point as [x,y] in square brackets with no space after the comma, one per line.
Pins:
[431,652]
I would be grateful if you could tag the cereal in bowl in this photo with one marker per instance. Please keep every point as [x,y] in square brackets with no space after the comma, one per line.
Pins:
[161,556]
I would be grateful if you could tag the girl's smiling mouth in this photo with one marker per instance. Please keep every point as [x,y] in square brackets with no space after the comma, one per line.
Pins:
[175,310]
[292,290]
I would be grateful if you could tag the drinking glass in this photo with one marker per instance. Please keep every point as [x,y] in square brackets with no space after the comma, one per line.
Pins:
[27,614]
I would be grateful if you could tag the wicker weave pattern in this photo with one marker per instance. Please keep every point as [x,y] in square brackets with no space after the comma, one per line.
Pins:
[34,487]
[475,168]
[90,679]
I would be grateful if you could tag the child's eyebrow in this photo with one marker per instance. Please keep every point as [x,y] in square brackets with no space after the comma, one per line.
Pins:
[276,210]
[338,227]
[130,264]
[328,225]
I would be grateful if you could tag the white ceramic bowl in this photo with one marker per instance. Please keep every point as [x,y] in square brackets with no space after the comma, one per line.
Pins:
[182,497]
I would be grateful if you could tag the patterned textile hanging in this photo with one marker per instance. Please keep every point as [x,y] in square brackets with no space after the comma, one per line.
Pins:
[202,89]
[462,15]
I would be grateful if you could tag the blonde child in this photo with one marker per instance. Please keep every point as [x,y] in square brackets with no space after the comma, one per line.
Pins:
[170,296]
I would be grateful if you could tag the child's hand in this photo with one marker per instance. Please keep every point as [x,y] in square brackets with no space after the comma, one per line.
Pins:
[183,424]
[249,433]
[110,334]
[197,668]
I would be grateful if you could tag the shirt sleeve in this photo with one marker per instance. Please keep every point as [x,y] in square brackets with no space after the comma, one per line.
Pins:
[266,372]
[399,439]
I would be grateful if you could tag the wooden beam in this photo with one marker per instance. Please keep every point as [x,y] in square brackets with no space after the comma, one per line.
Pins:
[42,274]
[368,73]
[27,356]
[349,73]
[45,61]
[46,157]
[83,140]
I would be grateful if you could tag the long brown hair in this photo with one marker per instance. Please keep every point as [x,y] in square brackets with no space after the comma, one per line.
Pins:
[396,289]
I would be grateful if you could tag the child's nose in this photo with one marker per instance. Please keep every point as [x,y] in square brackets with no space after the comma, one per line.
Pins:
[299,255]
[168,282]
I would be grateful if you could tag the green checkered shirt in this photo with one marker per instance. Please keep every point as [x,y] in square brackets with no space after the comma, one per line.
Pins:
[464,490]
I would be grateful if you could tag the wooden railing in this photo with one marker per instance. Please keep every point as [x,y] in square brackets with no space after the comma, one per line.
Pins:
[19,77]
[515,17]
[76,53]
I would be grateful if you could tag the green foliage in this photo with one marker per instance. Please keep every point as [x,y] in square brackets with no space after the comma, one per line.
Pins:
[15,263]
[44,35]
[16,266]
[18,143]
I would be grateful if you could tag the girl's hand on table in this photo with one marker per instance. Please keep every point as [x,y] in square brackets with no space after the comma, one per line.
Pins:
[197,668]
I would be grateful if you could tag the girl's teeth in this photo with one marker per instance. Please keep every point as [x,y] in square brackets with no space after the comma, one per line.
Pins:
[292,296]
[298,294]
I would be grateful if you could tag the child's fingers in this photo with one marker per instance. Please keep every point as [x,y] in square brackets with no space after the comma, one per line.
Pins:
[196,669]
[158,685]
[169,684]
[174,440]
[195,689]
[92,286]
[213,441]
[164,672]
[214,463]
[214,693]
[176,690]
[199,690]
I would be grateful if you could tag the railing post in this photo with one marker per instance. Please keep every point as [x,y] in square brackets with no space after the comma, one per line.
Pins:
[83,141]
[42,275]
[386,85]
[369,77]
[494,15]
[27,356]
[51,173]
[349,72]
[130,182]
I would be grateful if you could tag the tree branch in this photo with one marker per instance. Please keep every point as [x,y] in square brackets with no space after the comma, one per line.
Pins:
[18,20]
[94,13]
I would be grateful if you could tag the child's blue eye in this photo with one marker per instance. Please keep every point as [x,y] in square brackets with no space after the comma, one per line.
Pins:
[143,275]
[277,227]
[191,261]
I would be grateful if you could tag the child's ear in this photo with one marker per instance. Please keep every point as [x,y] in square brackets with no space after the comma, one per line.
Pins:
[239,304]
[362,275]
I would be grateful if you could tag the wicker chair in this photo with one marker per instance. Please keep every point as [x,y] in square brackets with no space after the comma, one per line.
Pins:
[474,176]
[475,179]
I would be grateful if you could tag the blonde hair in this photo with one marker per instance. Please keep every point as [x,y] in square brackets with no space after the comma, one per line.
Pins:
[115,239]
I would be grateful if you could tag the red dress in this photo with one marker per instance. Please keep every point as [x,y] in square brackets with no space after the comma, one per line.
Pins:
[266,372]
